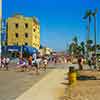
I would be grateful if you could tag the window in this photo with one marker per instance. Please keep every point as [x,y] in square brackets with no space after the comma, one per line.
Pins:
[34,30]
[26,35]
[33,44]
[26,25]
[16,25]
[26,43]
[16,35]
[17,43]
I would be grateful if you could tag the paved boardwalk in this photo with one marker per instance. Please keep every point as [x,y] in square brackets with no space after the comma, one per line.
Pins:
[13,84]
[49,88]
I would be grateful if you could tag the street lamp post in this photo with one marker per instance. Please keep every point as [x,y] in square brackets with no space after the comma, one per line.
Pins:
[3,34]
[22,47]
[21,51]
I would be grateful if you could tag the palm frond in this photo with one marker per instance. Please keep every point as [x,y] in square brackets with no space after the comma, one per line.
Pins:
[95,12]
[84,17]
[87,14]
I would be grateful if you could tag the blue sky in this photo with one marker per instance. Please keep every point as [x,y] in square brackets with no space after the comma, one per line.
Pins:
[60,20]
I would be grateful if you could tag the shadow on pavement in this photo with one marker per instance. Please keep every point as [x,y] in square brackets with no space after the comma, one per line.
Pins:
[64,83]
[84,78]
[51,67]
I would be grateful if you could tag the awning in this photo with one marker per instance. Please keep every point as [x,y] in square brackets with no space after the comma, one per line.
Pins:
[13,48]
[28,49]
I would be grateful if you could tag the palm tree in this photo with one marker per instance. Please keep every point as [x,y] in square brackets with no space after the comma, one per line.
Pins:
[88,15]
[75,39]
[82,44]
[94,15]
[89,45]
[73,46]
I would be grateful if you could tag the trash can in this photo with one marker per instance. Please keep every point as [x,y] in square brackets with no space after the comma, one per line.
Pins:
[72,75]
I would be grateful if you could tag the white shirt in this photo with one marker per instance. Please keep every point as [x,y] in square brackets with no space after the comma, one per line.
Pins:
[7,60]
[37,61]
[45,61]
[4,60]
[34,56]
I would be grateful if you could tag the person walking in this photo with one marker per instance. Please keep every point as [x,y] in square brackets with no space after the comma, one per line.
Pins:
[21,65]
[3,62]
[30,60]
[6,62]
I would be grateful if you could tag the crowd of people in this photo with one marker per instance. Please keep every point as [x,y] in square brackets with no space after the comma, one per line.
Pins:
[91,61]
[35,62]
[26,63]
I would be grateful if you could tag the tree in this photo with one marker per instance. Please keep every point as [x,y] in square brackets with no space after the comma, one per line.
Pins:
[75,40]
[73,48]
[98,46]
[82,44]
[89,41]
[88,15]
[89,45]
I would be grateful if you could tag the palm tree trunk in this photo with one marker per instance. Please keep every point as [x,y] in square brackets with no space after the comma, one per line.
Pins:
[88,35]
[95,32]
[95,36]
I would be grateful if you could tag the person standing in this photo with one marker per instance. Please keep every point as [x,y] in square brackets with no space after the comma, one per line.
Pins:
[93,59]
[30,60]
[80,63]
[45,61]
[34,56]
[89,62]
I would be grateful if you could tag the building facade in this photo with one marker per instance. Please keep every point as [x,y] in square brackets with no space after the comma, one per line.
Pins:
[23,31]
[46,51]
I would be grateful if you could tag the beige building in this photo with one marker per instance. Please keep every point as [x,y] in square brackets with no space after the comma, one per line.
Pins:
[23,31]
[46,51]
